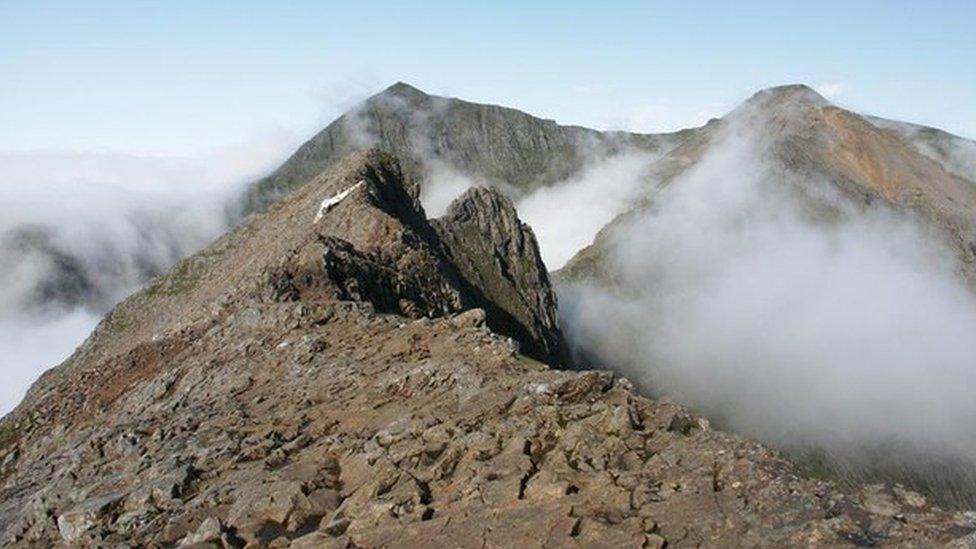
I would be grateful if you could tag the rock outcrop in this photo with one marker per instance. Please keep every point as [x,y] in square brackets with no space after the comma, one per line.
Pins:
[321,381]
[499,255]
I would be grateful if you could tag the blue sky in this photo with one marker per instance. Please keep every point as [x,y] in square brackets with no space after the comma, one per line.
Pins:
[183,78]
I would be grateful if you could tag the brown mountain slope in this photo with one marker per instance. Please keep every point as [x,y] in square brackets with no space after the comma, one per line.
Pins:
[318,378]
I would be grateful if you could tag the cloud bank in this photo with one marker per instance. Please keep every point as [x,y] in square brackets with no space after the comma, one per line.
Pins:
[785,312]
[80,231]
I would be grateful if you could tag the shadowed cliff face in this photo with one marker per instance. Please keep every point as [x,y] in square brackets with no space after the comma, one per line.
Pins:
[323,376]
[498,254]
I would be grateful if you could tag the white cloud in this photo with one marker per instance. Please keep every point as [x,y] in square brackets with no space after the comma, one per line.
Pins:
[567,216]
[117,218]
[852,335]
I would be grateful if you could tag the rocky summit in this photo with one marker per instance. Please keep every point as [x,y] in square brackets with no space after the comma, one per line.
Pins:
[340,371]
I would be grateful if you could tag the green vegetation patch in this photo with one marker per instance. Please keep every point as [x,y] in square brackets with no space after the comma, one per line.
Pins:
[179,281]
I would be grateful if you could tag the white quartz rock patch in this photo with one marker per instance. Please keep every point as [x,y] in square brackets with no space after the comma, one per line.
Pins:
[334,200]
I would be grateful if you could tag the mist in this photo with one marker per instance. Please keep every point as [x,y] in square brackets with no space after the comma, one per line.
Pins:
[81,231]
[784,311]
[567,216]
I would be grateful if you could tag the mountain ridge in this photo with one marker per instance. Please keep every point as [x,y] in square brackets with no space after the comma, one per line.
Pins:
[338,369]
[318,377]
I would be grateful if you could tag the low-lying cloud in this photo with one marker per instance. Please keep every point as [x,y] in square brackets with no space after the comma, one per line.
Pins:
[80,231]
[30,344]
[786,312]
